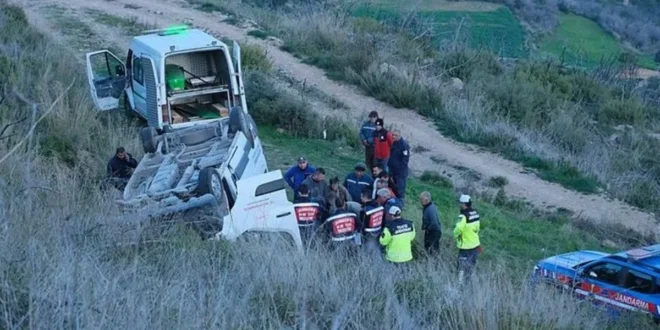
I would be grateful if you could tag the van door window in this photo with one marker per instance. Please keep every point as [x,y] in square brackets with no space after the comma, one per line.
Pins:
[138,73]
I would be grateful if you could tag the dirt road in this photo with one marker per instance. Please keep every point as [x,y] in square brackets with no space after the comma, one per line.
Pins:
[417,130]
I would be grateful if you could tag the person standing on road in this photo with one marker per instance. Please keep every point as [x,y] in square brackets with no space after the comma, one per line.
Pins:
[397,237]
[382,144]
[398,163]
[430,224]
[356,181]
[297,174]
[120,168]
[367,138]
[466,234]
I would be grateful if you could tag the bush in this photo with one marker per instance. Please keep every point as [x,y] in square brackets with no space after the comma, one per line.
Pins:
[618,111]
[434,178]
[272,105]
[498,182]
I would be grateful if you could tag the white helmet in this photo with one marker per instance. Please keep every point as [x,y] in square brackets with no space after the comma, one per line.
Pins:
[464,199]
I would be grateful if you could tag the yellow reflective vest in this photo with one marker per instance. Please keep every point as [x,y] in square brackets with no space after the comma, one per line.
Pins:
[466,231]
[397,237]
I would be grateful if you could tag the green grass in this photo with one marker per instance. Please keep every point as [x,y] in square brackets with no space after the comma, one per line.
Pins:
[498,30]
[583,42]
[506,234]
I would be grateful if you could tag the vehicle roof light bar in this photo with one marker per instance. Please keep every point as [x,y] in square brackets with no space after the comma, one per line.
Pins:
[641,253]
[170,30]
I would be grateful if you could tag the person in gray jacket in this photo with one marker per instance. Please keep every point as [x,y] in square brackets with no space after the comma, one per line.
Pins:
[430,224]
[318,187]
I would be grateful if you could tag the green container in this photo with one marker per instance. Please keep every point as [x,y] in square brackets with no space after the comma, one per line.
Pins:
[176,79]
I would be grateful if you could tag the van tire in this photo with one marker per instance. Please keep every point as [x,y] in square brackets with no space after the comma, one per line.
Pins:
[209,183]
[149,138]
[239,121]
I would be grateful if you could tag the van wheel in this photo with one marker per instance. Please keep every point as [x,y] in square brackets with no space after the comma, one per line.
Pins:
[209,183]
[149,138]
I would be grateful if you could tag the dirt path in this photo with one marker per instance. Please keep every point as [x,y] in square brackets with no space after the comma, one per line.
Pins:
[417,130]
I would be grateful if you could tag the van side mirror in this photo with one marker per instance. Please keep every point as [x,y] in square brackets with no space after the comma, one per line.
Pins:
[120,70]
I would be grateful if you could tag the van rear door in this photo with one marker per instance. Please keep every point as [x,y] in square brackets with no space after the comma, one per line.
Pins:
[154,112]
[262,206]
[236,50]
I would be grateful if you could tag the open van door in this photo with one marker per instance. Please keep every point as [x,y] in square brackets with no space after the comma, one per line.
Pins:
[107,79]
[236,50]
[262,207]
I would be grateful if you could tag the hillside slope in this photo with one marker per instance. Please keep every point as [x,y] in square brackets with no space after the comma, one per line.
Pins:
[417,130]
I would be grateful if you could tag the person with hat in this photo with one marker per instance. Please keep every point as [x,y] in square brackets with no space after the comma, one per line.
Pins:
[397,237]
[367,138]
[356,181]
[466,234]
[383,141]
[297,174]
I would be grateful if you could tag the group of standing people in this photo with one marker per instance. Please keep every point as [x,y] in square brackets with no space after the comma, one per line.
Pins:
[387,155]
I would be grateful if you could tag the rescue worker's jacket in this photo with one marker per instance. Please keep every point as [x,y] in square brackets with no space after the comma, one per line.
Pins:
[372,217]
[307,213]
[466,231]
[397,238]
[341,225]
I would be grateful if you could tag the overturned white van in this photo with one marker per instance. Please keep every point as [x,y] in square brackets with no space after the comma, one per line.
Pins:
[202,148]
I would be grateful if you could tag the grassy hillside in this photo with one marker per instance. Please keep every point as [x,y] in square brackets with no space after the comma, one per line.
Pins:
[582,42]
[483,25]
[65,262]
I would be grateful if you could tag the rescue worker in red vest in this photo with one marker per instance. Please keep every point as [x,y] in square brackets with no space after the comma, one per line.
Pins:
[466,234]
[308,219]
[397,237]
[341,226]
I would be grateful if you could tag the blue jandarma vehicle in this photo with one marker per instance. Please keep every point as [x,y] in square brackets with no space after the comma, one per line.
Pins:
[629,280]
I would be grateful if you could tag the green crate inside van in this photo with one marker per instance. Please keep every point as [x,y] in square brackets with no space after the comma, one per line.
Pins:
[175,77]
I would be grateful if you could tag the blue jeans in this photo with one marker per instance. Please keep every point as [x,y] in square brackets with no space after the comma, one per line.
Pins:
[382,163]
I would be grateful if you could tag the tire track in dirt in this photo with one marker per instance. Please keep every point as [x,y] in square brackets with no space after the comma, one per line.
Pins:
[416,129]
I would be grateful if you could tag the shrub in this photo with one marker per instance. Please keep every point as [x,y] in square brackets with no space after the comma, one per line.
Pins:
[272,105]
[434,178]
[619,111]
[498,182]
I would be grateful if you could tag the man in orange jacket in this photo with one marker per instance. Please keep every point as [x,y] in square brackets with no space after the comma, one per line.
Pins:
[382,144]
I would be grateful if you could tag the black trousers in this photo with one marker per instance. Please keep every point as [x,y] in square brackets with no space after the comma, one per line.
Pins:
[467,260]
[432,241]
[369,158]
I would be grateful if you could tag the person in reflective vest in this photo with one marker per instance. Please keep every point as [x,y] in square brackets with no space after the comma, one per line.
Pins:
[372,214]
[397,237]
[307,214]
[466,234]
[341,225]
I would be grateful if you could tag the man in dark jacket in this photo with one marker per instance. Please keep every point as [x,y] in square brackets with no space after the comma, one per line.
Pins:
[430,224]
[356,181]
[318,187]
[398,164]
[367,138]
[297,174]
[120,168]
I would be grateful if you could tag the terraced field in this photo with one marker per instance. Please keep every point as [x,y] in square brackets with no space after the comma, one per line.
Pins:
[483,24]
